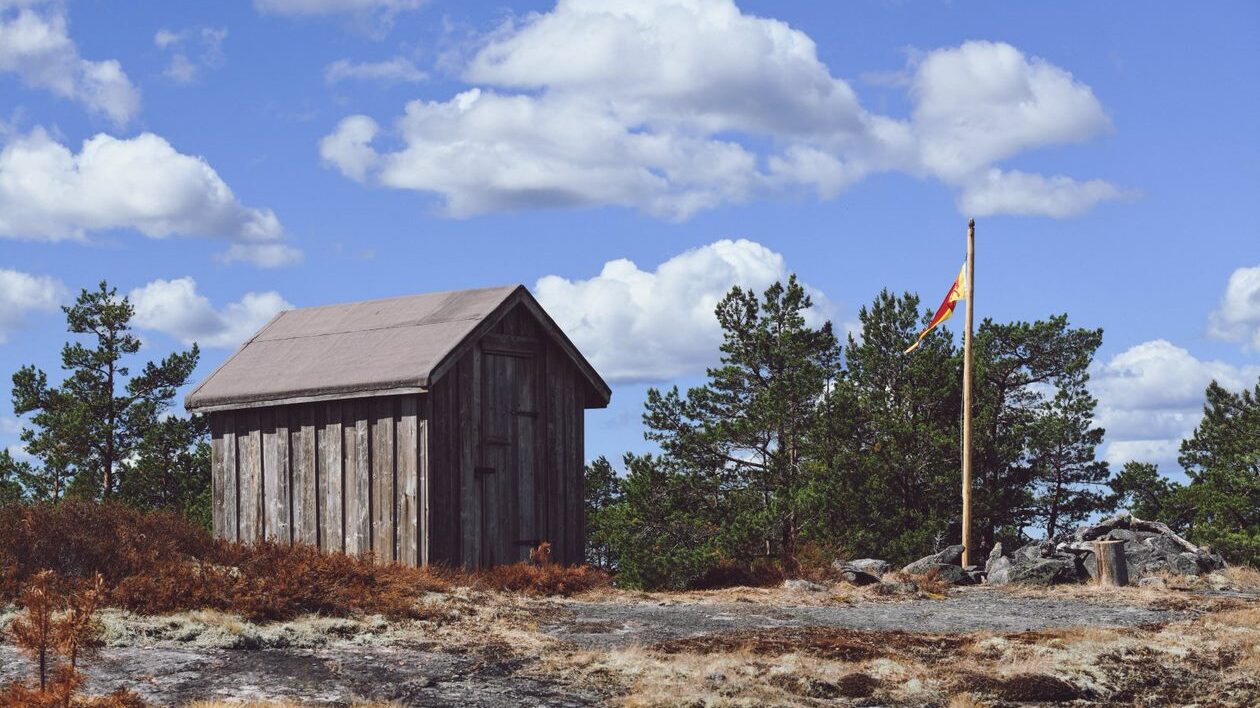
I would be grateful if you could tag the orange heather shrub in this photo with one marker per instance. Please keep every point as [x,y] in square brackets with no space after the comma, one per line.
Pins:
[158,562]
[154,563]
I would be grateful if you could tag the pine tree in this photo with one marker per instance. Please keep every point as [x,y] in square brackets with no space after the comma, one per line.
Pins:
[603,490]
[1067,476]
[748,425]
[1016,365]
[170,470]
[890,448]
[1140,489]
[99,414]
[1222,459]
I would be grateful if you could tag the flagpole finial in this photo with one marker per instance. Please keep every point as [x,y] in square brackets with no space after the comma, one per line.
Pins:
[971,223]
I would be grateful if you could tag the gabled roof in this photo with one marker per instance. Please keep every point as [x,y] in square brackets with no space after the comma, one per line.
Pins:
[372,348]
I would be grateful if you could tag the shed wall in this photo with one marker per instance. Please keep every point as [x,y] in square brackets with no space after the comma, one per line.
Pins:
[345,475]
[507,450]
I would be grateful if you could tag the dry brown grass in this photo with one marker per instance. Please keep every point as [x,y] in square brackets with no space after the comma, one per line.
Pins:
[1211,659]
[155,563]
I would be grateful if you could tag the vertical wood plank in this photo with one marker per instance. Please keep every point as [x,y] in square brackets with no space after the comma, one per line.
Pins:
[579,460]
[249,460]
[469,392]
[217,514]
[305,478]
[332,535]
[357,492]
[384,514]
[231,479]
[424,517]
[524,438]
[277,472]
[406,466]
[555,450]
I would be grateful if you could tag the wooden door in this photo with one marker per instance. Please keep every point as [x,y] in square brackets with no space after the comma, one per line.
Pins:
[506,479]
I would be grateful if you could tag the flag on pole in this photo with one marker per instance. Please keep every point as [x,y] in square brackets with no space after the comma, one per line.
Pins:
[958,291]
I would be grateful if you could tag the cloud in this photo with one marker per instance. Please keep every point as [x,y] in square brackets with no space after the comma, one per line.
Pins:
[175,308]
[392,71]
[48,193]
[372,17]
[630,322]
[206,43]
[679,106]
[1238,317]
[22,294]
[36,46]
[1150,398]
[998,192]
[333,7]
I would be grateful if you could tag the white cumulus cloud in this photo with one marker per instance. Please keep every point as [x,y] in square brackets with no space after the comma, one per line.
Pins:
[22,294]
[175,308]
[676,106]
[36,46]
[49,193]
[998,192]
[390,71]
[1151,396]
[654,325]
[1238,317]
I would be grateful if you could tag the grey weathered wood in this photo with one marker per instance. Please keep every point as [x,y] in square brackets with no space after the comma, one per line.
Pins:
[331,529]
[475,470]
[384,529]
[406,479]
[249,462]
[1113,569]
[525,418]
[231,480]
[424,516]
[358,490]
[469,393]
[305,492]
[276,475]
[217,514]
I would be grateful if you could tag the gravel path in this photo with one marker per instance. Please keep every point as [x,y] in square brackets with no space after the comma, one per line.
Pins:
[608,624]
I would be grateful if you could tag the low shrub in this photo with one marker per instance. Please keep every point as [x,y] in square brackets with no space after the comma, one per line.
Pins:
[539,576]
[154,562]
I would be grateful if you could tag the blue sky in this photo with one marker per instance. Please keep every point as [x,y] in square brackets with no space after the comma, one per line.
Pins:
[630,161]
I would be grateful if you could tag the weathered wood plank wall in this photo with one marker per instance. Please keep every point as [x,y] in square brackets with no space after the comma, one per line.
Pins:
[475,472]
[346,476]
[506,450]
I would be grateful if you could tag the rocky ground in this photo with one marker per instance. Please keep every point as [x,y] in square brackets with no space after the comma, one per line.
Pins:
[820,645]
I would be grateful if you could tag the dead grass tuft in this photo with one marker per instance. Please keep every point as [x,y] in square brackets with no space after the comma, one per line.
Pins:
[539,579]
[831,643]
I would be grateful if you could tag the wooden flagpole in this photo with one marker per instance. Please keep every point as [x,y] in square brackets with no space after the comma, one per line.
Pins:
[966,399]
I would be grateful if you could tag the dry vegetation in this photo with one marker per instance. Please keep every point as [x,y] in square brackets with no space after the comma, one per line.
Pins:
[1210,660]
[160,563]
[164,580]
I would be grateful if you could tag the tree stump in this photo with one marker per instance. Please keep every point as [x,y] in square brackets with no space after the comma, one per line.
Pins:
[1112,568]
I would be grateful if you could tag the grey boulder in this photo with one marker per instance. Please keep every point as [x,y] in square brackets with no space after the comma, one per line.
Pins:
[949,556]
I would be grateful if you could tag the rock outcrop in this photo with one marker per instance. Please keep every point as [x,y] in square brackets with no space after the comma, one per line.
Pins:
[1150,548]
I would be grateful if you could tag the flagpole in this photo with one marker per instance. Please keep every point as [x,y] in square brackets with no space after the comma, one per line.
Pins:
[966,441]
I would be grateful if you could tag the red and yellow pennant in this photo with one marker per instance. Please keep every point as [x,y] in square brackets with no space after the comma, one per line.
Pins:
[958,291]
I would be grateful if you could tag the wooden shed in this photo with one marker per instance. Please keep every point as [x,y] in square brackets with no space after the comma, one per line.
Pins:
[437,428]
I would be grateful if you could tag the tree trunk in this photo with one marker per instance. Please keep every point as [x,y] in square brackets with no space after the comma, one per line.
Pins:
[1113,570]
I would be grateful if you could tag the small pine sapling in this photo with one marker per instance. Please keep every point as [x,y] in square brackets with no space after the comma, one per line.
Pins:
[34,633]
